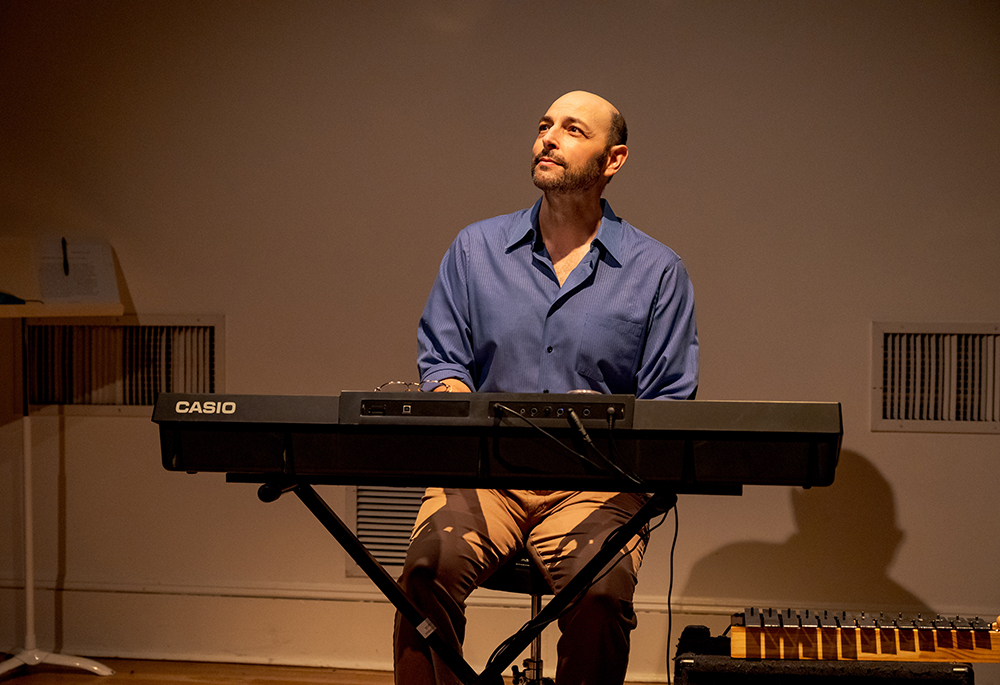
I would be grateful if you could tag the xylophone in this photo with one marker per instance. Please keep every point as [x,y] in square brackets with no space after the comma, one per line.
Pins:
[862,636]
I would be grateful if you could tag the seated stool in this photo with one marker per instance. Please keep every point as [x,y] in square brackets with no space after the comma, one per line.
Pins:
[522,575]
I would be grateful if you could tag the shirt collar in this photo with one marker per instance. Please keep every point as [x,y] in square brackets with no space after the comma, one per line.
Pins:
[609,233]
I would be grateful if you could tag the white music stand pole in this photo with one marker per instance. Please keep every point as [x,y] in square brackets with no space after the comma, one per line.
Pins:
[31,655]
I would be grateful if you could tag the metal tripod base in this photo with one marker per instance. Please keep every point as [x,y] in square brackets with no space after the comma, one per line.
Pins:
[532,674]
[35,657]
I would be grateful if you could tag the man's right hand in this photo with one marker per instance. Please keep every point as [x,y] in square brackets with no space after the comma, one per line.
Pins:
[452,385]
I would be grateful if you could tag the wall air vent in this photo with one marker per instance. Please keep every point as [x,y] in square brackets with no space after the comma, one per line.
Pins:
[384,520]
[941,378]
[122,361]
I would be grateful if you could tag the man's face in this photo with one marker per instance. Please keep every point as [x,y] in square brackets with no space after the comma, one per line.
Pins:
[571,150]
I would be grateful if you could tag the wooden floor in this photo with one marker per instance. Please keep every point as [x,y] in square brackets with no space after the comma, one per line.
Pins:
[138,672]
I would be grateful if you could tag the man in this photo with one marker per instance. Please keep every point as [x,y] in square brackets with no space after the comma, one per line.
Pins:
[559,297]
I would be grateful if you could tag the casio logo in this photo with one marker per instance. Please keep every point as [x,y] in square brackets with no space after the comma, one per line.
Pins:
[185,407]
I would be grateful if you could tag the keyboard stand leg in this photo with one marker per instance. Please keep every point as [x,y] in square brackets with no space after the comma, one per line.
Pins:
[657,504]
[493,673]
[374,570]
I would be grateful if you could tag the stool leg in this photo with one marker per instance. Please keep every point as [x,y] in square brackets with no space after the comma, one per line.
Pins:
[536,644]
[533,665]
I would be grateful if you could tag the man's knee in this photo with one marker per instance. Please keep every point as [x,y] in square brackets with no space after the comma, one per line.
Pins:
[598,605]
[609,600]
[433,568]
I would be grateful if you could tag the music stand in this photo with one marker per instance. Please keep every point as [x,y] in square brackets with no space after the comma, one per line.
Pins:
[30,655]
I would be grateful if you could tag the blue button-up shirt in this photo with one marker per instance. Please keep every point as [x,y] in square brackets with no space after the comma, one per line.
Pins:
[498,320]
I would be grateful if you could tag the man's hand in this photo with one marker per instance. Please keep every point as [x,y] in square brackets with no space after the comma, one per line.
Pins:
[452,385]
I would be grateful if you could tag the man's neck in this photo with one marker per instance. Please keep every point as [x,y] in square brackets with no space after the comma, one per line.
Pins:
[568,222]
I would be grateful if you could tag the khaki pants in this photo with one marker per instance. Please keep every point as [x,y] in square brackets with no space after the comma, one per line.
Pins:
[462,536]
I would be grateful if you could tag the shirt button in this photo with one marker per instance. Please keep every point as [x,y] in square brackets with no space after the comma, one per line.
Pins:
[548,349]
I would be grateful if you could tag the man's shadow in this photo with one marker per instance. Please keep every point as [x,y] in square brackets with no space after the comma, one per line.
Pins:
[838,559]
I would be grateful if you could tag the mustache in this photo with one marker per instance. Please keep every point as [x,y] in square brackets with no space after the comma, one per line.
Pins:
[551,155]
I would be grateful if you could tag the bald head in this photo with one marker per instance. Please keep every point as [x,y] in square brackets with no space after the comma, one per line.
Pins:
[603,112]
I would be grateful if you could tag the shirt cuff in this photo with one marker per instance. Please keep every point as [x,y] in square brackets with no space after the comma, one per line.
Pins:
[439,373]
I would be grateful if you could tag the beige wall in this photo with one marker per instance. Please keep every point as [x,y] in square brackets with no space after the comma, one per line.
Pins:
[300,167]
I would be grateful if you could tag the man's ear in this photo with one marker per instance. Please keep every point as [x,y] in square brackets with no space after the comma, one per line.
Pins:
[617,155]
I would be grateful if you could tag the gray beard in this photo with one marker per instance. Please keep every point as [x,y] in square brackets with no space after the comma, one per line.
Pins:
[572,180]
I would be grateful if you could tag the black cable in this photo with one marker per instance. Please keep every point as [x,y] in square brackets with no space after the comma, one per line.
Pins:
[550,436]
[616,458]
[643,534]
[533,623]
[670,586]
[576,424]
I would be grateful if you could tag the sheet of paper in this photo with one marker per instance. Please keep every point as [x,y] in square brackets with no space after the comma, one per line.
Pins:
[76,271]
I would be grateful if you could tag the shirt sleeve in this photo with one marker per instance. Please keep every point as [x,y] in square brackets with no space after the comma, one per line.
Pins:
[669,365]
[444,336]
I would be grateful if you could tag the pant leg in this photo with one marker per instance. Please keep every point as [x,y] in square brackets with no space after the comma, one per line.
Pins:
[460,537]
[594,646]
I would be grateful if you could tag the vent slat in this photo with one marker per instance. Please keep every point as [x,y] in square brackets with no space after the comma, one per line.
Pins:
[936,379]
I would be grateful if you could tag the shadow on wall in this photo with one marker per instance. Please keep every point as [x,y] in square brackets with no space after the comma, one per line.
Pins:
[838,559]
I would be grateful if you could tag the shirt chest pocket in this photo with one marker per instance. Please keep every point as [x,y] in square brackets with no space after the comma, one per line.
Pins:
[609,350]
